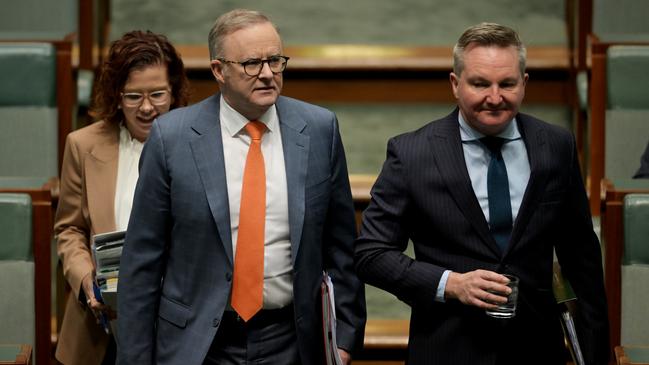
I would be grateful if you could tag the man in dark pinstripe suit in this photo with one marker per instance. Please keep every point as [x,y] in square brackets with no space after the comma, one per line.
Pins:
[434,190]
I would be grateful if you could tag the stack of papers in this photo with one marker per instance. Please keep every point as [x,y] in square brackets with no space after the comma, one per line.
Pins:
[107,252]
[329,321]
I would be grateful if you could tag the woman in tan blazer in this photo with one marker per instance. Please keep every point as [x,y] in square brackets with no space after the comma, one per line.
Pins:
[142,78]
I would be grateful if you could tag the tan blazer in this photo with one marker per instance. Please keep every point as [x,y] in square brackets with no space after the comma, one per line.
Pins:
[86,207]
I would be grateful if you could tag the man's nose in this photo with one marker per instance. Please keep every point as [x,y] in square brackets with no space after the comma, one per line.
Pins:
[266,72]
[494,95]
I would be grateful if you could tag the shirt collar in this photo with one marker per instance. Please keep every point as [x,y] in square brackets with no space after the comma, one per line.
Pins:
[234,122]
[468,133]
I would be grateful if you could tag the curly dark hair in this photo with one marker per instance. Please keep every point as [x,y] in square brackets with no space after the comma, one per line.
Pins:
[136,50]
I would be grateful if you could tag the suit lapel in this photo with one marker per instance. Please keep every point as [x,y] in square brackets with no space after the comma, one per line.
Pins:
[537,151]
[101,177]
[296,152]
[449,157]
[207,150]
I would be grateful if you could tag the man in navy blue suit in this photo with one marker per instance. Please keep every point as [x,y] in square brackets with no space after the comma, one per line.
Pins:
[185,243]
[482,192]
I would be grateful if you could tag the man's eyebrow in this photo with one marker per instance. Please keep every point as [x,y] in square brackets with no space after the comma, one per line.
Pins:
[477,78]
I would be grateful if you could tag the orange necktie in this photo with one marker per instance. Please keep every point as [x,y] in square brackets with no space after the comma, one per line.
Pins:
[248,284]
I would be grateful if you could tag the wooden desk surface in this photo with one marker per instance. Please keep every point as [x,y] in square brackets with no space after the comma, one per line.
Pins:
[386,334]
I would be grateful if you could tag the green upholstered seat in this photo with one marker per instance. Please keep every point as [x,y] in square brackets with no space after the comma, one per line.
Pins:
[635,270]
[21,182]
[627,76]
[28,111]
[28,74]
[626,21]
[29,143]
[627,115]
[636,230]
[626,135]
[16,270]
[30,20]
[16,227]
[38,19]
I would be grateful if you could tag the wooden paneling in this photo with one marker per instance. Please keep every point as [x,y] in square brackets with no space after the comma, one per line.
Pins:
[358,73]
[398,87]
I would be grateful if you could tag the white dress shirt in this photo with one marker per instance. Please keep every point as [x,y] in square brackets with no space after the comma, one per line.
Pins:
[278,279]
[478,157]
[130,150]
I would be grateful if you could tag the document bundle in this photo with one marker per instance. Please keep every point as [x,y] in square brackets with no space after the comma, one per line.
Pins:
[329,321]
[107,252]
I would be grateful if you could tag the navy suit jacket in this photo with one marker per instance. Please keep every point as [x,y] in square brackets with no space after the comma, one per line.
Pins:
[424,194]
[176,268]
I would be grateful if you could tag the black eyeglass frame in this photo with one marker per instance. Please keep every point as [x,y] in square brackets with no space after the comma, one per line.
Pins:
[253,62]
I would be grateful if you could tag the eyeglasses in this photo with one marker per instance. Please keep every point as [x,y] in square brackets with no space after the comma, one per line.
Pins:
[253,67]
[157,98]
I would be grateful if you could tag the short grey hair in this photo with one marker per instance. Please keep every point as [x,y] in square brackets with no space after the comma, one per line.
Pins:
[229,23]
[488,34]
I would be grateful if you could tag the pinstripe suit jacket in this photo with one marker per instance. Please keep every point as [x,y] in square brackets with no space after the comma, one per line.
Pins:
[176,268]
[424,194]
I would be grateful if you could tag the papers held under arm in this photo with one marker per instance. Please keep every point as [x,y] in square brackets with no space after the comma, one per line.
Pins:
[332,356]
[565,297]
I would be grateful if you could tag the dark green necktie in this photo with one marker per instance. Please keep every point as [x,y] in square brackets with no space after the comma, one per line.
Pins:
[500,207]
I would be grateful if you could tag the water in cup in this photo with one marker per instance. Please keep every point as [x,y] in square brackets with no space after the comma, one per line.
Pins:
[507,310]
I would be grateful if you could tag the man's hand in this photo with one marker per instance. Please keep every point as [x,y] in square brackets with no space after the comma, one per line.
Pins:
[480,288]
[345,356]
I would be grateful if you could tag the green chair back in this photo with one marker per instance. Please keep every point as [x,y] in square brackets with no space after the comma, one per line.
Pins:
[627,116]
[16,270]
[635,271]
[627,76]
[39,19]
[636,230]
[28,111]
[621,20]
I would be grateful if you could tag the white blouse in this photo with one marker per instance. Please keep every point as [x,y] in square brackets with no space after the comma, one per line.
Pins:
[127,174]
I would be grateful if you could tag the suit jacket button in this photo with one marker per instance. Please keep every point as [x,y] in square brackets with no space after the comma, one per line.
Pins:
[228,276]
[215,322]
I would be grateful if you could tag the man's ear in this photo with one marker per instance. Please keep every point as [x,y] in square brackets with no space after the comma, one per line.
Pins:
[455,81]
[217,70]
